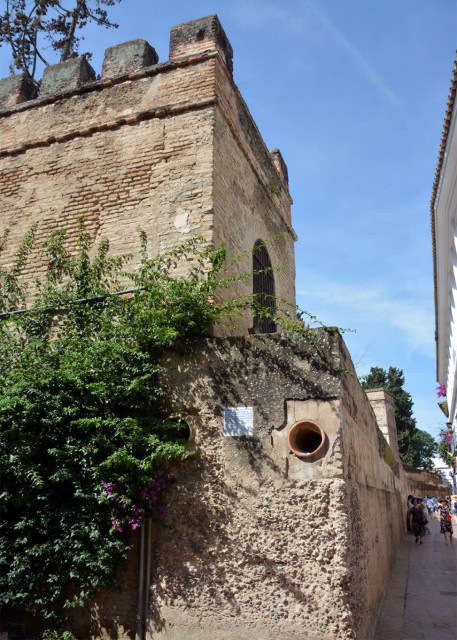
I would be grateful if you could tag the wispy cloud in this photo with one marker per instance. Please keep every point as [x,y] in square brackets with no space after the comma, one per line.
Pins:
[305,21]
[376,308]
[359,60]
[261,15]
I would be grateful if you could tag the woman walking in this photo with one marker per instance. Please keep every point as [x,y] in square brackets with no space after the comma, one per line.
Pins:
[417,521]
[454,504]
[445,520]
[408,512]
[424,514]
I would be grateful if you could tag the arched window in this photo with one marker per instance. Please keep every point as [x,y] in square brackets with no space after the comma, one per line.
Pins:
[263,287]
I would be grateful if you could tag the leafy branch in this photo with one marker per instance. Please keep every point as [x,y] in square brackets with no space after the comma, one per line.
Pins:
[28,27]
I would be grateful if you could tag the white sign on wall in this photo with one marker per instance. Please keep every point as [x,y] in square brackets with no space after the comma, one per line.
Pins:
[239,421]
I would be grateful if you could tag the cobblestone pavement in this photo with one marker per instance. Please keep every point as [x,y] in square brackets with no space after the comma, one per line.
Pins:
[421,601]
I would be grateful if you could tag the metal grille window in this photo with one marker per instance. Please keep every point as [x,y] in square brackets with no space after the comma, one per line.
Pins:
[263,287]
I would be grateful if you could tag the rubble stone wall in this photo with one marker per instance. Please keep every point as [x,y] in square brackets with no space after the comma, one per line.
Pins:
[264,544]
[378,488]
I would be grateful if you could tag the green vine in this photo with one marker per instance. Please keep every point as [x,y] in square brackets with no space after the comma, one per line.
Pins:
[85,442]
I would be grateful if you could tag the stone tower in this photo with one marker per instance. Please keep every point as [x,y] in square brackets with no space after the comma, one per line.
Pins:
[170,148]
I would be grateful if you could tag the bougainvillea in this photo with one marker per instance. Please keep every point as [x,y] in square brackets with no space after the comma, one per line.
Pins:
[446,448]
[127,515]
[86,442]
[441,391]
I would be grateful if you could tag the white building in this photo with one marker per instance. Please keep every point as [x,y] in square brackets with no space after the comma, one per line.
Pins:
[444,238]
[444,471]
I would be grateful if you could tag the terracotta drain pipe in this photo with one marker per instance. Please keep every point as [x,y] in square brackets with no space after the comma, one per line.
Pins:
[306,439]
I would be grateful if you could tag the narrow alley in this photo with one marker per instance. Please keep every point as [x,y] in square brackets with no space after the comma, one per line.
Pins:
[421,601]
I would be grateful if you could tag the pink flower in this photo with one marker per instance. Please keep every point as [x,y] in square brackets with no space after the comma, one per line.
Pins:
[441,391]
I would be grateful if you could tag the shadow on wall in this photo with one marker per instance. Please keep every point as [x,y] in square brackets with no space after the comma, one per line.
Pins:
[210,566]
[212,533]
[233,515]
[244,369]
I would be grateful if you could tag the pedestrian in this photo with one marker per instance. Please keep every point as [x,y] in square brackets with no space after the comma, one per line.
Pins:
[416,521]
[430,506]
[445,520]
[454,504]
[408,511]
[425,519]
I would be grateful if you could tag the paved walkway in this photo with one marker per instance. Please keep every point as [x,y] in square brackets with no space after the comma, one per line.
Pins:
[421,601]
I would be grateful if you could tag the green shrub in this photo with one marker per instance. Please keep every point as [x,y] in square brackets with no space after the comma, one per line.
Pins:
[85,442]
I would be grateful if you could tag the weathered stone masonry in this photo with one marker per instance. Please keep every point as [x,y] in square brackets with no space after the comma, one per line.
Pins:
[265,544]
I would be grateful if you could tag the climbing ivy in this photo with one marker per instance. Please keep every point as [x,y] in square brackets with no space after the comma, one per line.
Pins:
[86,442]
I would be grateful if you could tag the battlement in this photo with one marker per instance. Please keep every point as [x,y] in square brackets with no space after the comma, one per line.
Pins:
[188,39]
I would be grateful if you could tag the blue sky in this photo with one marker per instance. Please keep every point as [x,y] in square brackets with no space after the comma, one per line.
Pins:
[353,93]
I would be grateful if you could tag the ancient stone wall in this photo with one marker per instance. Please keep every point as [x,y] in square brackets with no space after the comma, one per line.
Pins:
[426,483]
[263,543]
[266,543]
[383,405]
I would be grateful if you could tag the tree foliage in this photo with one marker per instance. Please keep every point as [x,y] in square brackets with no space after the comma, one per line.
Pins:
[86,440]
[426,446]
[28,27]
[416,447]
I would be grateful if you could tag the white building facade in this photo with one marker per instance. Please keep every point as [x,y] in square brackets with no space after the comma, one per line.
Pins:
[444,239]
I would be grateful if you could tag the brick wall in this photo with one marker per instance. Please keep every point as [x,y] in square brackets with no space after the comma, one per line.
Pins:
[171,148]
[153,172]
[251,200]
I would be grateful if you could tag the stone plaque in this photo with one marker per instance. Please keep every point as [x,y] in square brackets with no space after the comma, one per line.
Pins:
[239,421]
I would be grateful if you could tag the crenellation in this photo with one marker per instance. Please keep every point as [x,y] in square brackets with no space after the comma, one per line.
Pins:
[280,165]
[127,58]
[16,89]
[196,36]
[67,76]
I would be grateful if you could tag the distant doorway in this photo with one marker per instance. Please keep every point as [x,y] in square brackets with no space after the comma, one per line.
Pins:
[263,288]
